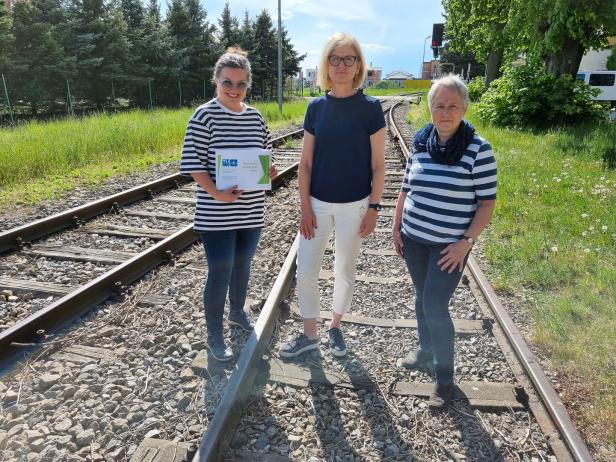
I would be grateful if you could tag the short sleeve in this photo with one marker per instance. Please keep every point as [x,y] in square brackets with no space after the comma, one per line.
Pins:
[194,150]
[309,118]
[377,119]
[484,173]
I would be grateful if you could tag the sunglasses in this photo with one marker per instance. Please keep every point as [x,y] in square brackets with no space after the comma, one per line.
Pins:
[228,85]
[347,60]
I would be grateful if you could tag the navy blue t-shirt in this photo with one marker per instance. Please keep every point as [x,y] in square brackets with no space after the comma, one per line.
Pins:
[341,167]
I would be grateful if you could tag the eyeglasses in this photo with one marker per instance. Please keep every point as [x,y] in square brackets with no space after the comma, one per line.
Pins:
[347,60]
[228,85]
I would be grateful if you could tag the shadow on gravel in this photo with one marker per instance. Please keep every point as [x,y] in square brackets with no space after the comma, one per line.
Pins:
[475,436]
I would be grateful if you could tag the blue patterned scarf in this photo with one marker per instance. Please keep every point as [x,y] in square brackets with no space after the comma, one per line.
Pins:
[426,140]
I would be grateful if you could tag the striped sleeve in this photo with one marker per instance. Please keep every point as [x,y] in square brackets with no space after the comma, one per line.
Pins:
[406,182]
[484,173]
[194,150]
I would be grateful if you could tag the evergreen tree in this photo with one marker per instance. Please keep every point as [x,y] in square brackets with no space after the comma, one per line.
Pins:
[40,65]
[153,12]
[246,34]
[6,41]
[264,56]
[229,28]
[100,45]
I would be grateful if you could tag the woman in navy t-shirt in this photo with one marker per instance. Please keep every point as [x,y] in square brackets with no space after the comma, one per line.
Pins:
[341,176]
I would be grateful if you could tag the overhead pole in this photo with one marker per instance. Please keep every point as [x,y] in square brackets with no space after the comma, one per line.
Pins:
[279,59]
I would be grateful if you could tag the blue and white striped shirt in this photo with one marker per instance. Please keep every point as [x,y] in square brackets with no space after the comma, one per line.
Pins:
[213,127]
[441,199]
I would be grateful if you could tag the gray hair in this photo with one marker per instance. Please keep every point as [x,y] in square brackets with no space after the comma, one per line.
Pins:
[235,58]
[451,82]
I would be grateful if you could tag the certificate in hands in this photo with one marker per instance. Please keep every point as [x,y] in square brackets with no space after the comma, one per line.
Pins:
[246,168]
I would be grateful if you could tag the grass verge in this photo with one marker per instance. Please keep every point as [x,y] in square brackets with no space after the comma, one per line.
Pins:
[39,160]
[553,238]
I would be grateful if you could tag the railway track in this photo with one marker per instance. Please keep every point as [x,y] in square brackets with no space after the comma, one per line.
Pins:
[125,381]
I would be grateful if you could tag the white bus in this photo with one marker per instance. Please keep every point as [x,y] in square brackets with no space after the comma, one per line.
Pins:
[604,81]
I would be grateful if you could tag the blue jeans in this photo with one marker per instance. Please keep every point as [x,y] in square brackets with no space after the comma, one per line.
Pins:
[433,290]
[229,255]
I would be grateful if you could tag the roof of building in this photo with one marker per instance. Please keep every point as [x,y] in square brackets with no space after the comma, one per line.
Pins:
[398,75]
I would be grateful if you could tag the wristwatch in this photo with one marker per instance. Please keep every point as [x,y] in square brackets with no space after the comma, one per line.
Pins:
[376,207]
[469,239]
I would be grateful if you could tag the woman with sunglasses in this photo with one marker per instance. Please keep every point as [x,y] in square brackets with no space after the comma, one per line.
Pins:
[229,221]
[341,176]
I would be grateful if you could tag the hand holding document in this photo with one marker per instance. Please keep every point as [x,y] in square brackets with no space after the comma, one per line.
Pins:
[246,168]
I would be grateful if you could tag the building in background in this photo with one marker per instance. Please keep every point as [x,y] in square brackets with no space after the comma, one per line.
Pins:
[397,78]
[373,75]
[310,79]
[431,70]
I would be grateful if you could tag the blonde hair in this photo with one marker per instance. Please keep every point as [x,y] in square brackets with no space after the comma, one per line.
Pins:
[235,58]
[337,40]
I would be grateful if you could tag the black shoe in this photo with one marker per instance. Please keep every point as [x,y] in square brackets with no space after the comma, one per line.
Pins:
[440,397]
[337,346]
[417,359]
[218,349]
[297,346]
[241,319]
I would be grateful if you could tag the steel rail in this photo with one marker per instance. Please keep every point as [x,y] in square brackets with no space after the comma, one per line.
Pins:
[527,358]
[16,237]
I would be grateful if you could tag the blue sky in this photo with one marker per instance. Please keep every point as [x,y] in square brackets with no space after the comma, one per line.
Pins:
[392,33]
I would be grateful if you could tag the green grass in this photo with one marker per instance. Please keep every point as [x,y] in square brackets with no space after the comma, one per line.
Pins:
[553,236]
[39,160]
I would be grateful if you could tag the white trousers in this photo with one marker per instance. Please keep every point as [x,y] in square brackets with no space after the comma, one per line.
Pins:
[345,220]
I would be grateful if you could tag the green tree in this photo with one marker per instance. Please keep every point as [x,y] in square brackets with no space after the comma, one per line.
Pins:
[246,34]
[229,28]
[480,27]
[264,56]
[6,40]
[565,29]
[40,65]
[99,41]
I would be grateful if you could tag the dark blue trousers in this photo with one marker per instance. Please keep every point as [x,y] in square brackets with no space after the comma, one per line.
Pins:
[433,288]
[229,255]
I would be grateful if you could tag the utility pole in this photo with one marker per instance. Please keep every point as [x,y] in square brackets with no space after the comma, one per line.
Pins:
[423,58]
[279,60]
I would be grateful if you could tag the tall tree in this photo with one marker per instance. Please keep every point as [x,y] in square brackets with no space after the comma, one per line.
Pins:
[565,29]
[480,27]
[6,40]
[40,64]
[264,56]
[246,34]
[99,42]
[229,28]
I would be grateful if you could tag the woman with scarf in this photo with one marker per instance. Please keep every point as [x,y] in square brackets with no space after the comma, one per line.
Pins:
[446,200]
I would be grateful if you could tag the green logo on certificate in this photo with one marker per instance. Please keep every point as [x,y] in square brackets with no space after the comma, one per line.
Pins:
[265,163]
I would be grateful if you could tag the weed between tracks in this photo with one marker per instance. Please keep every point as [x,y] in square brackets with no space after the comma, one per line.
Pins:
[553,240]
[39,160]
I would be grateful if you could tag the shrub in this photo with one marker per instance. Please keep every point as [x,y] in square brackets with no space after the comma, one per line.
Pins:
[525,96]
[476,88]
[611,60]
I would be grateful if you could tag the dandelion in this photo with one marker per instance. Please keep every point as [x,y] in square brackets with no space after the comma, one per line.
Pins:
[554,249]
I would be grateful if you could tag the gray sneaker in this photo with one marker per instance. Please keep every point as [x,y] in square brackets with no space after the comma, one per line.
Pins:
[337,346]
[298,345]
[417,359]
